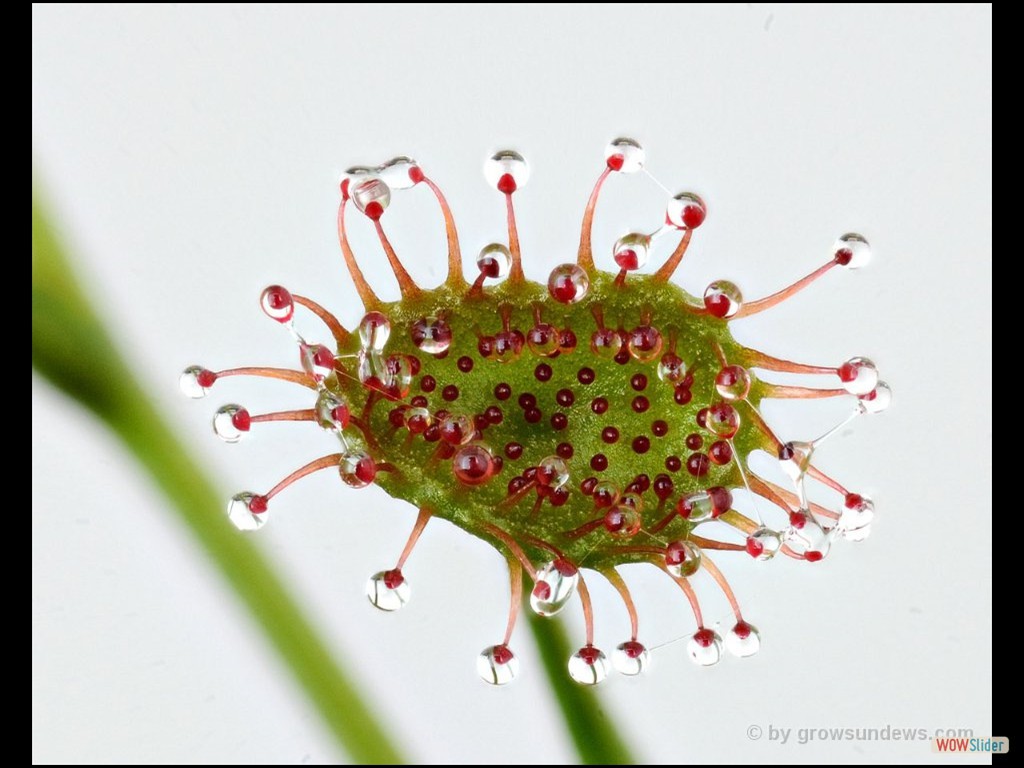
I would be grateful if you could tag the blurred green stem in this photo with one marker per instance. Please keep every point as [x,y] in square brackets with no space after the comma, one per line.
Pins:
[596,738]
[72,349]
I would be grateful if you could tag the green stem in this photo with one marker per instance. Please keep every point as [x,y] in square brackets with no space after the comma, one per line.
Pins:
[71,348]
[596,738]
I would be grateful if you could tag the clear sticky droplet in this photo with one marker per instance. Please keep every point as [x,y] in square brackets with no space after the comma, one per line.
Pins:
[352,176]
[506,171]
[857,534]
[859,375]
[317,360]
[623,520]
[494,261]
[696,507]
[605,343]
[605,493]
[277,303]
[685,211]
[398,375]
[705,647]
[457,429]
[723,420]
[682,558]
[473,464]
[795,458]
[400,172]
[553,587]
[671,368]
[371,196]
[371,371]
[508,345]
[856,517]
[625,155]
[231,422]
[630,658]
[543,339]
[877,400]
[195,381]
[763,543]
[644,343]
[806,537]
[357,468]
[332,411]
[432,335]
[568,283]
[733,382]
[248,511]
[388,590]
[632,500]
[631,251]
[588,666]
[743,639]
[374,331]
[553,472]
[497,665]
[852,251]
[723,299]
[417,420]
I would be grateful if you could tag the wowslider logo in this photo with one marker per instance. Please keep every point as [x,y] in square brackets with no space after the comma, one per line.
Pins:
[958,745]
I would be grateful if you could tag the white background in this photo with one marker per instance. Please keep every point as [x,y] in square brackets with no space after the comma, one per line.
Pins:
[192,156]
